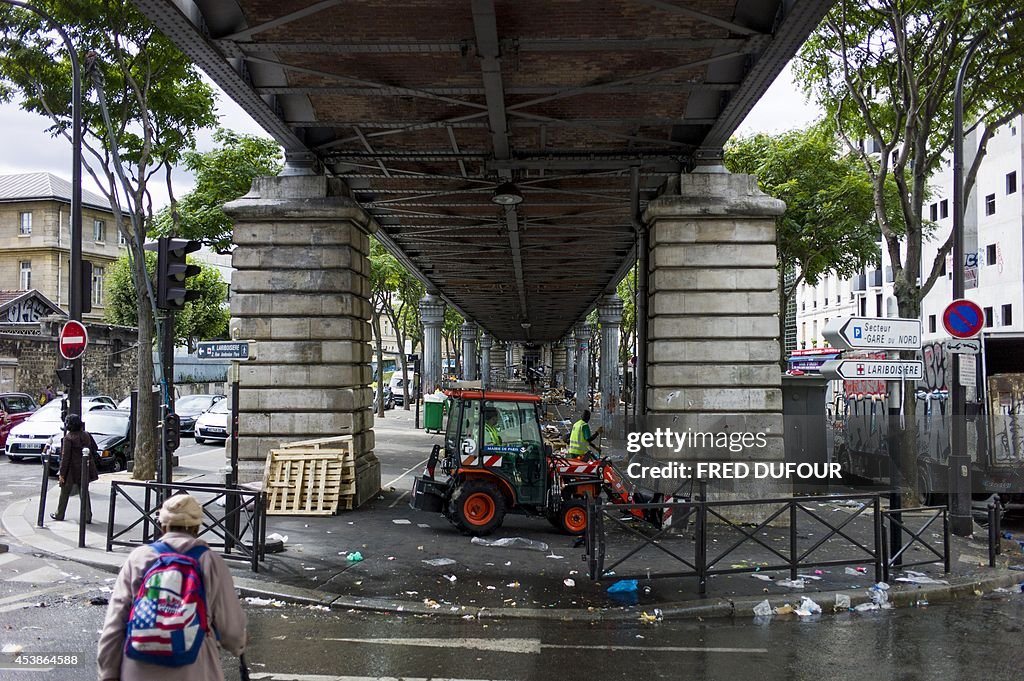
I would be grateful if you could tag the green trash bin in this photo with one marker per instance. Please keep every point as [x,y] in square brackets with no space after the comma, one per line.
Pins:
[433,415]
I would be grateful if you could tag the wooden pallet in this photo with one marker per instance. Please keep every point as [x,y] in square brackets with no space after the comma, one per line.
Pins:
[305,479]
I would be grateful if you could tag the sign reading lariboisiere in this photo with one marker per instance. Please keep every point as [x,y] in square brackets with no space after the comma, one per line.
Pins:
[870,333]
[873,369]
[237,351]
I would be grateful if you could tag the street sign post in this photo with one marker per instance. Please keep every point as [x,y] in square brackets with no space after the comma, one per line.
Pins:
[73,340]
[873,369]
[236,351]
[963,319]
[869,333]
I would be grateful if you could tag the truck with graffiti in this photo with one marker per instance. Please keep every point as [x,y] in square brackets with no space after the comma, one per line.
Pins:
[994,422]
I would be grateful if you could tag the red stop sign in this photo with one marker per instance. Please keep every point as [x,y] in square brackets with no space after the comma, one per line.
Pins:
[73,339]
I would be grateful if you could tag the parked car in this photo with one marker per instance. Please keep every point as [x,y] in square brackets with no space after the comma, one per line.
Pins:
[26,440]
[397,384]
[212,424]
[189,408]
[14,408]
[109,427]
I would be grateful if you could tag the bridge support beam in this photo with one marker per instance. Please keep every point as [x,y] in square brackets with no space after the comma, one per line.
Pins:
[713,333]
[570,361]
[432,316]
[301,291]
[582,366]
[609,311]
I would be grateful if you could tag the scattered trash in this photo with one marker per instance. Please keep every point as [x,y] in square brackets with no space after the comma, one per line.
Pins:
[842,603]
[253,600]
[513,585]
[552,555]
[431,603]
[921,603]
[783,609]
[763,609]
[511,543]
[856,572]
[762,577]
[650,619]
[422,526]
[623,586]
[99,600]
[451,578]
[569,582]
[274,536]
[792,583]
[814,577]
[355,557]
[321,608]
[438,562]
[401,521]
[867,607]
[879,593]
[309,568]
[919,578]
[807,608]
[12,649]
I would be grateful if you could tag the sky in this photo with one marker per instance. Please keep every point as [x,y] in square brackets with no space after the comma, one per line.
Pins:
[27,147]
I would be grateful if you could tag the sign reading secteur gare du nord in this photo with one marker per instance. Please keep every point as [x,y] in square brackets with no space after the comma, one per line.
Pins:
[869,333]
[234,350]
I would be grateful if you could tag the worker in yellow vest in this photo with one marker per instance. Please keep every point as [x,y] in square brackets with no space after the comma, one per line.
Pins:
[580,440]
[492,435]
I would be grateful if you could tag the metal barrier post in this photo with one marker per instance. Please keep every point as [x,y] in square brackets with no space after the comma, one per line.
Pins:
[945,540]
[993,538]
[876,507]
[701,547]
[885,560]
[999,523]
[792,541]
[83,495]
[110,517]
[43,489]
[146,519]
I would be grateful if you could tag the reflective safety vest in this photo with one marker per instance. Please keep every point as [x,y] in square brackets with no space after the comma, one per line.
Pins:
[491,435]
[578,445]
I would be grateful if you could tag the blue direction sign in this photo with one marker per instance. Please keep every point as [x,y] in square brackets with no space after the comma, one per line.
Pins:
[237,351]
[963,319]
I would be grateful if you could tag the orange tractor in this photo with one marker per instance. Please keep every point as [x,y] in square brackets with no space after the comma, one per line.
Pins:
[495,462]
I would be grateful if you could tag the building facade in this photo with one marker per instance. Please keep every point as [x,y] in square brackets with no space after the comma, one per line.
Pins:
[993,245]
[35,239]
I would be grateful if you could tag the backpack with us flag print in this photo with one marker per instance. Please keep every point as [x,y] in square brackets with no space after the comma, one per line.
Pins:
[168,620]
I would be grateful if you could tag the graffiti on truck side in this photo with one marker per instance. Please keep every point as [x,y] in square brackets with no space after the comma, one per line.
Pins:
[934,358]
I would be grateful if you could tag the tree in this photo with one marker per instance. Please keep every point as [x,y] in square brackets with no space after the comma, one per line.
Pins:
[147,102]
[884,71]
[394,293]
[828,227]
[202,319]
[222,175]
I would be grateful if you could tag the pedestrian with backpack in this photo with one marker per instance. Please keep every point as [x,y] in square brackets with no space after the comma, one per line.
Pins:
[173,607]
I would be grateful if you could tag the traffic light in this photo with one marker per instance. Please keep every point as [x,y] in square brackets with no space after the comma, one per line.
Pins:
[172,432]
[171,272]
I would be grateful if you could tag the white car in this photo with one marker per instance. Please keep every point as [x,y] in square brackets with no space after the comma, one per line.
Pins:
[212,424]
[27,439]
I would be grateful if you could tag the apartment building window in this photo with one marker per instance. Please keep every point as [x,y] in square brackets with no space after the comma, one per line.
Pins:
[1007,315]
[931,323]
[25,223]
[988,316]
[97,285]
[864,307]
[990,204]
[944,208]
[1011,182]
[25,282]
[99,230]
[121,241]
[934,211]
[878,304]
[990,254]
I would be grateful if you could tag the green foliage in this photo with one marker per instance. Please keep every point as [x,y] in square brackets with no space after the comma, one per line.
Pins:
[828,226]
[627,293]
[203,319]
[222,175]
[884,71]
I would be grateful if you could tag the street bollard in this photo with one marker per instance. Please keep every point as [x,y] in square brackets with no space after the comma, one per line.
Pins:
[992,537]
[83,495]
[998,503]
[44,488]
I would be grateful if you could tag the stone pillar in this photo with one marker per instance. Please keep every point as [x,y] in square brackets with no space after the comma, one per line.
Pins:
[301,291]
[582,366]
[432,317]
[609,310]
[468,352]
[713,341]
[485,360]
[570,362]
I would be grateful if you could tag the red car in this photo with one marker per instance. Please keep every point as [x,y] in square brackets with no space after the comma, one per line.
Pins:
[14,408]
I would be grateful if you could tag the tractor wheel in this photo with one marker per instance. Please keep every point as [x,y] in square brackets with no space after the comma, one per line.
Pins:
[478,507]
[572,517]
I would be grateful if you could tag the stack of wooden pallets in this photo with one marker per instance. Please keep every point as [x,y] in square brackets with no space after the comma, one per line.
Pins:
[311,477]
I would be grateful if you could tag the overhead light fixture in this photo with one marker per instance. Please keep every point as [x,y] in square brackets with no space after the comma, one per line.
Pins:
[507,194]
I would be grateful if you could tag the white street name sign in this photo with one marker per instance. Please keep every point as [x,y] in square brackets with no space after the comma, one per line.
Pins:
[869,333]
[873,369]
